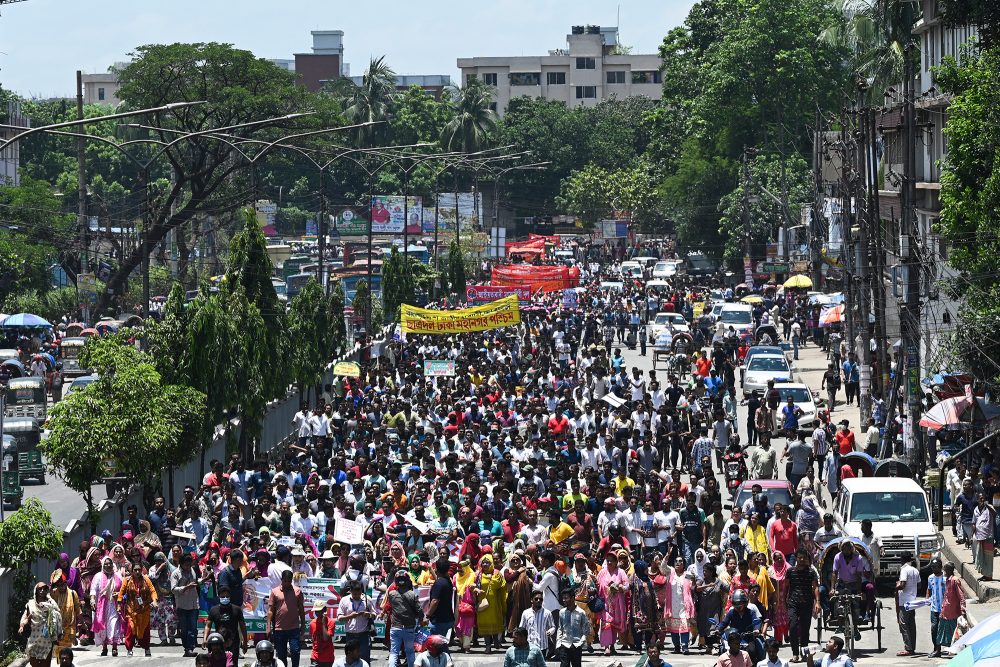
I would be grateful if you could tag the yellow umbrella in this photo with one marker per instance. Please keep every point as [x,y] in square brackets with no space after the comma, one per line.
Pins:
[752,298]
[800,281]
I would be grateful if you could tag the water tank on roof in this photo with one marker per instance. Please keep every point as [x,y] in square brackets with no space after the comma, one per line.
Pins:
[577,30]
[593,30]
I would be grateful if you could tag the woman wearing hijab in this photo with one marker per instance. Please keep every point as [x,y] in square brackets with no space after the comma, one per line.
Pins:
[398,555]
[147,541]
[137,598]
[491,589]
[120,560]
[107,625]
[709,593]
[779,610]
[41,618]
[696,570]
[70,573]
[679,608]
[612,587]
[471,550]
[645,612]
[584,583]
[757,569]
[807,519]
[465,589]
[69,609]
[519,587]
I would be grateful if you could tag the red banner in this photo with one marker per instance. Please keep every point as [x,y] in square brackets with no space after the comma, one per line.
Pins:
[546,278]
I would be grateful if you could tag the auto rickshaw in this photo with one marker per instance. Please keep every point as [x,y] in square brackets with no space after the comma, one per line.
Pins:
[69,353]
[14,368]
[862,464]
[764,332]
[893,468]
[11,490]
[28,433]
[26,397]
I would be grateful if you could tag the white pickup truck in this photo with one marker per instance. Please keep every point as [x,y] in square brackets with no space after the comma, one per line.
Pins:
[900,516]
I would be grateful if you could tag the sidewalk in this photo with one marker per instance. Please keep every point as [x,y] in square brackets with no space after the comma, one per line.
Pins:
[809,370]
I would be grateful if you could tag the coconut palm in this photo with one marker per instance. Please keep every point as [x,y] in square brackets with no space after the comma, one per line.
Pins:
[876,34]
[473,118]
[370,102]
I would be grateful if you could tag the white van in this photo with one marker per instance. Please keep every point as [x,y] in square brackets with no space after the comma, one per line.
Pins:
[900,516]
[736,315]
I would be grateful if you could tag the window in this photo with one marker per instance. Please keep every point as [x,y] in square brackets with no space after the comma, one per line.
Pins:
[556,78]
[893,506]
[647,76]
[586,92]
[586,63]
[490,79]
[493,107]
[100,93]
[525,78]
[616,77]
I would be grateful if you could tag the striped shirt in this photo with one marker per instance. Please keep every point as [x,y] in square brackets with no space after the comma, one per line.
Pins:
[935,591]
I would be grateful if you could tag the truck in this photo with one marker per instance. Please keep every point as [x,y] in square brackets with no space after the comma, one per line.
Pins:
[900,516]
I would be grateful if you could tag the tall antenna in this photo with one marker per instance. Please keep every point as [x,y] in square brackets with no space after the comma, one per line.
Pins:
[618,17]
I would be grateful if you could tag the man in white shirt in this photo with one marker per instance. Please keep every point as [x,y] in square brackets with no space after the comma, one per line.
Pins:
[607,517]
[906,592]
[633,526]
[539,622]
[301,424]
[302,520]
[534,533]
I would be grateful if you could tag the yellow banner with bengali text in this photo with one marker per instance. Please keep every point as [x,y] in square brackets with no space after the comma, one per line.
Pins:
[503,312]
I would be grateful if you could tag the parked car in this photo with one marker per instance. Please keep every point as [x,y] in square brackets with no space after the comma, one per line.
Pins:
[78,384]
[776,490]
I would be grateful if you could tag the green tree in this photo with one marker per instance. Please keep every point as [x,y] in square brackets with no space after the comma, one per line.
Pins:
[397,284]
[26,536]
[970,197]
[984,14]
[307,324]
[456,270]
[472,118]
[239,87]
[418,117]
[338,327]
[127,419]
[371,102]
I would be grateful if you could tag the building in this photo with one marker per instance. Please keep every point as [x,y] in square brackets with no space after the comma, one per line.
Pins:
[325,63]
[432,83]
[10,157]
[101,87]
[588,70]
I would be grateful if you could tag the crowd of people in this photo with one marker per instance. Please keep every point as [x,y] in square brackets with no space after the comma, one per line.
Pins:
[546,500]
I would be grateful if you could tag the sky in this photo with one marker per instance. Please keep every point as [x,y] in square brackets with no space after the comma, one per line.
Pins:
[44,42]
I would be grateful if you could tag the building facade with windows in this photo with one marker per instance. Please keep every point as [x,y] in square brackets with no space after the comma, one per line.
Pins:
[590,69]
[101,87]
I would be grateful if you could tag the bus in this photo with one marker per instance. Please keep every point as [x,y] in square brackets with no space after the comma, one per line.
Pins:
[294,265]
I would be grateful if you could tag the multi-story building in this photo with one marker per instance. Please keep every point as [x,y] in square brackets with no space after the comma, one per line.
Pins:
[591,68]
[10,157]
[325,63]
[101,87]
[432,83]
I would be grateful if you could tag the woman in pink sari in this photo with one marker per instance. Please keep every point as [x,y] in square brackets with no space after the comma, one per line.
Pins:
[779,610]
[465,623]
[107,626]
[678,611]
[612,587]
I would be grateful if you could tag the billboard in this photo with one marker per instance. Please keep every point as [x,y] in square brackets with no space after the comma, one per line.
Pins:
[389,212]
[349,221]
[470,205]
[479,294]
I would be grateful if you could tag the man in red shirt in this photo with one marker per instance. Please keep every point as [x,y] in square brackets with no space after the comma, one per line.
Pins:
[845,439]
[558,426]
[783,534]
[321,631]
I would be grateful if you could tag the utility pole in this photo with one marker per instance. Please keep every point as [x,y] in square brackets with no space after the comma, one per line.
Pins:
[815,238]
[846,221]
[908,240]
[878,265]
[81,183]
[747,259]
[863,343]
[321,229]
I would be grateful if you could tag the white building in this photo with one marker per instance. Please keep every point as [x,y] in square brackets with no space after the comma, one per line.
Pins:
[101,87]
[584,73]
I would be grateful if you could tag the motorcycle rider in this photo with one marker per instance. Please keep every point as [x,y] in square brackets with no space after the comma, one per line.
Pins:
[265,655]
[744,621]
[734,465]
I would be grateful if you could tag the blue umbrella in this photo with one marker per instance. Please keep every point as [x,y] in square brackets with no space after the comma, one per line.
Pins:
[25,321]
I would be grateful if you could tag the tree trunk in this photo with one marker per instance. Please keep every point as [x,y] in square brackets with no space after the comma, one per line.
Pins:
[88,497]
[183,254]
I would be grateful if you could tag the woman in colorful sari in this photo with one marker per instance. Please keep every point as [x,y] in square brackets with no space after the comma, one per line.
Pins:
[147,542]
[519,586]
[491,588]
[42,619]
[165,614]
[645,611]
[709,594]
[120,559]
[779,609]
[137,597]
[465,589]
[107,625]
[679,608]
[758,570]
[89,568]
[69,608]
[612,587]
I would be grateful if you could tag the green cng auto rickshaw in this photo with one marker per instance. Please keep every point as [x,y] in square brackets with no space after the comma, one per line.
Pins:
[11,487]
[28,433]
[26,397]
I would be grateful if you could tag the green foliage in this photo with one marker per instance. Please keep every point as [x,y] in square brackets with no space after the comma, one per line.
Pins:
[338,327]
[370,102]
[308,324]
[766,214]
[970,197]
[418,117]
[127,417]
[51,305]
[984,14]
[456,270]
[367,308]
[473,120]
[29,535]
[397,284]
[692,193]
[23,266]
[593,193]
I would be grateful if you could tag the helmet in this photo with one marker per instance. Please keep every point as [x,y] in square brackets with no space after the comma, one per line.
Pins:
[739,596]
[264,646]
[760,498]
[215,638]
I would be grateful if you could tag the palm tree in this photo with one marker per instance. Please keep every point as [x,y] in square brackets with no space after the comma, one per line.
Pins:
[473,117]
[876,34]
[370,102]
